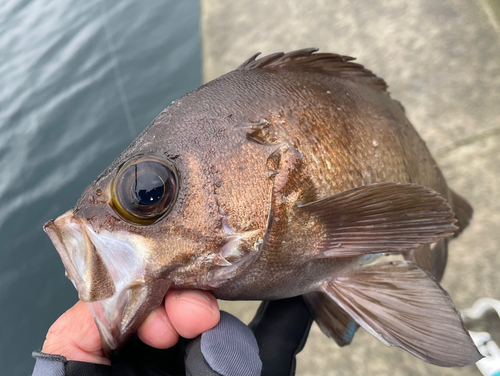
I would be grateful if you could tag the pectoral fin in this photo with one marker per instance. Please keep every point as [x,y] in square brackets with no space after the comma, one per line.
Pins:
[401,305]
[378,218]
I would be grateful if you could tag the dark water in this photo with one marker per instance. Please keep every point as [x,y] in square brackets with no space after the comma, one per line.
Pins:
[78,81]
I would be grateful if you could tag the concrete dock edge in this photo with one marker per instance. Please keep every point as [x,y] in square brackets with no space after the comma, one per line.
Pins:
[441,59]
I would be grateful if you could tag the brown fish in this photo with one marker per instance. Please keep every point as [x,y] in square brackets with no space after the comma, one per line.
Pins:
[295,174]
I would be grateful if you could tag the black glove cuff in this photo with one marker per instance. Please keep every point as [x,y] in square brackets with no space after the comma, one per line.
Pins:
[57,365]
[281,328]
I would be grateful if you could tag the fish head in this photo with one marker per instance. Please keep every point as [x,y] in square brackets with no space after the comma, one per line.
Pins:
[108,256]
[175,210]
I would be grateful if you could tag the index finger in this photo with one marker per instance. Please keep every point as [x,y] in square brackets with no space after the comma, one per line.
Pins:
[185,313]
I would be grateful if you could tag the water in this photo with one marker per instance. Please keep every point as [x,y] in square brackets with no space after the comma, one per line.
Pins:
[78,81]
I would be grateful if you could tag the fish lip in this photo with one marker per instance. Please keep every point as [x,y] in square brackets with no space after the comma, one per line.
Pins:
[80,257]
[54,231]
[108,275]
[55,236]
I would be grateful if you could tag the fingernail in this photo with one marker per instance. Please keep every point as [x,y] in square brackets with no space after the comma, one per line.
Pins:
[197,297]
[163,316]
[157,313]
[149,320]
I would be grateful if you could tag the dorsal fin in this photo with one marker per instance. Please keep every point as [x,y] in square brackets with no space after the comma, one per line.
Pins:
[308,60]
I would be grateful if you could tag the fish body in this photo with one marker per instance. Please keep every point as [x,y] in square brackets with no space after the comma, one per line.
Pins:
[292,175]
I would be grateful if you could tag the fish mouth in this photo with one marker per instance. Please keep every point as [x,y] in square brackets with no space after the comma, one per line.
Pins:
[108,270]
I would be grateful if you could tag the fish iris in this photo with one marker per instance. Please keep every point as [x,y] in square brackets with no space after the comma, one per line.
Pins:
[144,189]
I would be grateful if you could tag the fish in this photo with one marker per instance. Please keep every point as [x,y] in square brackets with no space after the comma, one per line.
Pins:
[295,174]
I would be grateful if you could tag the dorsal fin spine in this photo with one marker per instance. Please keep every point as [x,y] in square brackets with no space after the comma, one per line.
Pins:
[308,60]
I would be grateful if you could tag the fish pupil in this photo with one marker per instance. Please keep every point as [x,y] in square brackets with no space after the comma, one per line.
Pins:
[147,189]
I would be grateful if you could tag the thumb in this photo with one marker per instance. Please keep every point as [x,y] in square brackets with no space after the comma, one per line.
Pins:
[74,335]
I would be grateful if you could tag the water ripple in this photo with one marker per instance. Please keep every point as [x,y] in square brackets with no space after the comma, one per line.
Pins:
[78,80]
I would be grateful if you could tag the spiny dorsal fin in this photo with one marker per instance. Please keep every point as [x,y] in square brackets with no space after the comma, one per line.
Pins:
[308,60]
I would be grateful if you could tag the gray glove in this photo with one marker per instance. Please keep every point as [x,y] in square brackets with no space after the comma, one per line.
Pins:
[266,347]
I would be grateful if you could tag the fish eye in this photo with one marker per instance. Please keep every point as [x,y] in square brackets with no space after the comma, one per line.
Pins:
[144,189]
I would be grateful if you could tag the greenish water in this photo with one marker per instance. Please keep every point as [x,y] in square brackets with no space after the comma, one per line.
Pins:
[78,81]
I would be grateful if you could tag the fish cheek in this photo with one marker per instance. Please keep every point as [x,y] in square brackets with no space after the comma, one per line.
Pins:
[241,187]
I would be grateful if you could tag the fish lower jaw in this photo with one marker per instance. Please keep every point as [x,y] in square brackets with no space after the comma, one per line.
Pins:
[76,251]
[107,269]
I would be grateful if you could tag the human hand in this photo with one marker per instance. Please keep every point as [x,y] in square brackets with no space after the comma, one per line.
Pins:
[280,329]
[185,313]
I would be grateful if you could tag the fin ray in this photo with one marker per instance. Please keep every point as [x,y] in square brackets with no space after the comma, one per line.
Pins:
[433,259]
[377,218]
[308,59]
[403,306]
[333,321]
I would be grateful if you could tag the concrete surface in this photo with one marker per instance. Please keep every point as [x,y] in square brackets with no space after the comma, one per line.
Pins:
[441,59]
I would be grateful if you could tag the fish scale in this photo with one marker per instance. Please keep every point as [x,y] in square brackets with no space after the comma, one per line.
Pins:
[295,174]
